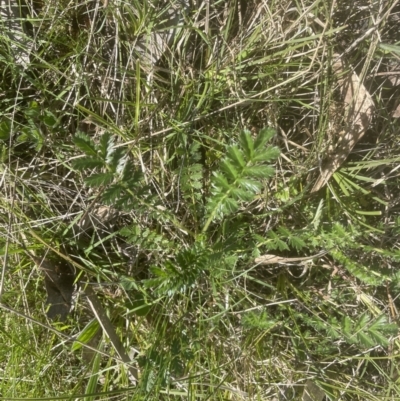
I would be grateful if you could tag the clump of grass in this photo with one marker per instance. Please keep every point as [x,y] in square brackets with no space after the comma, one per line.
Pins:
[165,180]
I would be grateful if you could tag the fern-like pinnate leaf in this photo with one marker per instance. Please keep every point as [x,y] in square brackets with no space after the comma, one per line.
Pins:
[98,180]
[179,275]
[110,168]
[367,332]
[85,144]
[84,163]
[239,175]
[106,146]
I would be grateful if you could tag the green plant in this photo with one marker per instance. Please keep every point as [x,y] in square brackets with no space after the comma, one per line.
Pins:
[198,190]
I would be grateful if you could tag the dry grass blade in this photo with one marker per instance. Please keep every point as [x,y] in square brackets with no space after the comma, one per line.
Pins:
[359,108]
[11,15]
[270,259]
[108,328]
[312,392]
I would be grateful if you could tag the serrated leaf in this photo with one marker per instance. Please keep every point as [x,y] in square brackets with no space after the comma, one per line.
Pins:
[362,322]
[259,171]
[276,242]
[220,181]
[297,243]
[85,144]
[347,326]
[332,332]
[379,338]
[125,202]
[89,331]
[106,144]
[246,141]
[391,329]
[365,340]
[81,164]
[283,231]
[266,155]
[97,180]
[151,282]
[158,272]
[229,170]
[121,165]
[126,231]
[282,246]
[229,206]
[129,173]
[250,185]
[114,157]
[194,181]
[241,194]
[112,193]
[235,155]
[263,137]
[379,323]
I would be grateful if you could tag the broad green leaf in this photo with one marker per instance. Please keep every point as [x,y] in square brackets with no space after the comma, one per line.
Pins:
[247,144]
[94,377]
[89,331]
[391,328]
[49,119]
[139,307]
[151,283]
[97,180]
[5,130]
[390,48]
[33,111]
[24,137]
